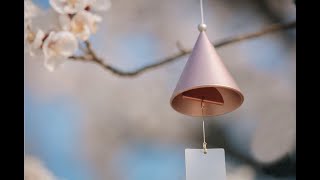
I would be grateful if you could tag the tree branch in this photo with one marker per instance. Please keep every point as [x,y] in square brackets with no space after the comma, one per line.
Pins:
[92,57]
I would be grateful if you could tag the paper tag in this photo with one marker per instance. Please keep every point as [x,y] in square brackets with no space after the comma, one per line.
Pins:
[210,166]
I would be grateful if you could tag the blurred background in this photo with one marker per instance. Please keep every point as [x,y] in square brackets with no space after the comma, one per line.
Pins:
[84,123]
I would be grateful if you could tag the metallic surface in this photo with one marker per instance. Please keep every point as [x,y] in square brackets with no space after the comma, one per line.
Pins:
[206,78]
[202,27]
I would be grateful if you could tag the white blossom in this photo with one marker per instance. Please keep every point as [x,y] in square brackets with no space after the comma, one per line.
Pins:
[28,34]
[35,41]
[68,6]
[35,170]
[30,10]
[54,63]
[65,22]
[76,21]
[57,47]
[82,24]
[38,40]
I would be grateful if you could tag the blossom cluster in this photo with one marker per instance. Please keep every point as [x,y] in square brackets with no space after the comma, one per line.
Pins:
[77,21]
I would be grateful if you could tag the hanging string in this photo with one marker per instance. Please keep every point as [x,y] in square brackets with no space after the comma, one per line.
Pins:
[201,9]
[202,26]
[203,129]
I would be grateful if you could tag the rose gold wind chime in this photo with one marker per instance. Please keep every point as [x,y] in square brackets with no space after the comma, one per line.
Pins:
[205,87]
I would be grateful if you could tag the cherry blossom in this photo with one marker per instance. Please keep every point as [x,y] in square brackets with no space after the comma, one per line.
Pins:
[30,10]
[68,6]
[77,23]
[57,47]
[34,169]
[82,24]
[35,41]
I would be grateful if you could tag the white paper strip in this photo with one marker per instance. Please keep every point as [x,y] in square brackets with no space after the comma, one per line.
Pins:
[210,166]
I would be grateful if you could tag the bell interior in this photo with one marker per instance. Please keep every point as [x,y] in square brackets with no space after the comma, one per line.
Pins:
[206,94]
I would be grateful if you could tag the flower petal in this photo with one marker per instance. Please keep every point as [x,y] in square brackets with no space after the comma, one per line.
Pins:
[64,21]
[45,47]
[57,47]
[65,43]
[68,6]
[83,24]
[51,64]
[62,43]
[38,40]
[30,9]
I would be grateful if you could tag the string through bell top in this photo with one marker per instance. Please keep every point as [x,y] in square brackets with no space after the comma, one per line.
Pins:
[203,27]
[201,10]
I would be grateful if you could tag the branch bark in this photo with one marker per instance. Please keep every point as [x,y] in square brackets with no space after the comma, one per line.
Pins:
[91,56]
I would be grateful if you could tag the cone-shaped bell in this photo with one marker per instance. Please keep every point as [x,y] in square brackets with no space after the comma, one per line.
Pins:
[205,80]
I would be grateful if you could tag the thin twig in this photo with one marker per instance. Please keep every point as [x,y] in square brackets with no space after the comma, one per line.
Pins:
[92,57]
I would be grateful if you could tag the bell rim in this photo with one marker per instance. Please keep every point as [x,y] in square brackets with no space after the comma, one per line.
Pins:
[204,86]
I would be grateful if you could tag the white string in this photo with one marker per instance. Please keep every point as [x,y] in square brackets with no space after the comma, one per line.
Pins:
[201,9]
[203,129]
[204,132]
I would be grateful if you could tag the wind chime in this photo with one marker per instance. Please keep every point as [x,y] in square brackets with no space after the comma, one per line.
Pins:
[205,88]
